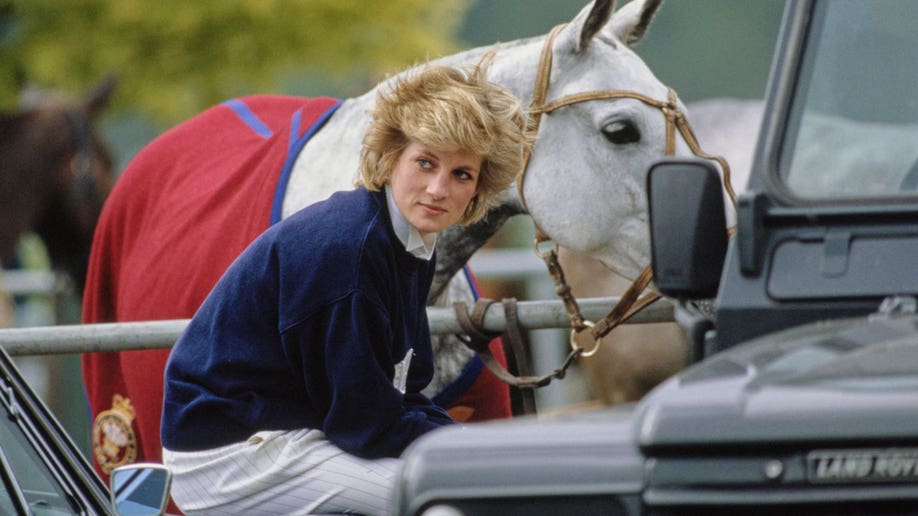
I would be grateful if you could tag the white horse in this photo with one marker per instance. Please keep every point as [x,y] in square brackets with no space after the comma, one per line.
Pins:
[584,185]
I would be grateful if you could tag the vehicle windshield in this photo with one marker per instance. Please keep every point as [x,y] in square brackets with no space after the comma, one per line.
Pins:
[852,131]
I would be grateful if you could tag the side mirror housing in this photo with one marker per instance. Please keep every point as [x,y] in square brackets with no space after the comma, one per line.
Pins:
[688,236]
[140,489]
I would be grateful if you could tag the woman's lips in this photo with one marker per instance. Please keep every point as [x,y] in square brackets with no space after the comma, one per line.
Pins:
[436,210]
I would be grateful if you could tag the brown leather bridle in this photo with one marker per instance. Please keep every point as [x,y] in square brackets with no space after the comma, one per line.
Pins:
[631,300]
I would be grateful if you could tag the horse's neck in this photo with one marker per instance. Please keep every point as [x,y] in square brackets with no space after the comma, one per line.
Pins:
[27,155]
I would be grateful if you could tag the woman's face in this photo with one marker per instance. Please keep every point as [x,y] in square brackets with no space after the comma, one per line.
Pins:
[432,188]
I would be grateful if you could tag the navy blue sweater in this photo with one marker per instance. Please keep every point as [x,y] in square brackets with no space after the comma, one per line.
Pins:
[307,329]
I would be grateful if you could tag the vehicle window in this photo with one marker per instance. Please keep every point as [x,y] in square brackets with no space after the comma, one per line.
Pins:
[852,131]
[44,495]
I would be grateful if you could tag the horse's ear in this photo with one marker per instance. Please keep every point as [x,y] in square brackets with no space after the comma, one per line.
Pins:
[631,21]
[99,97]
[595,21]
[588,22]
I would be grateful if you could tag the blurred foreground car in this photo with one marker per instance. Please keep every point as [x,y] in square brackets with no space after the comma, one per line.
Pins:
[42,473]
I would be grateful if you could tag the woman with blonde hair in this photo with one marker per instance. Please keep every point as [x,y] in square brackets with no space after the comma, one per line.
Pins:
[298,382]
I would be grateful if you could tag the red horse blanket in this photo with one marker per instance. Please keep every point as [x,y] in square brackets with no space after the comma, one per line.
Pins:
[183,209]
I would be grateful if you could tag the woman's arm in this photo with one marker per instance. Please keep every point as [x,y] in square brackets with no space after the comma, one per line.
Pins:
[365,414]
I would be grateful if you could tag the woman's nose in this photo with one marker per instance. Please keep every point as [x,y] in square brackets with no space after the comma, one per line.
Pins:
[438,185]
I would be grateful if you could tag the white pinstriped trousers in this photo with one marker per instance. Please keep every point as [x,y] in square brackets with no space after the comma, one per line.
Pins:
[280,472]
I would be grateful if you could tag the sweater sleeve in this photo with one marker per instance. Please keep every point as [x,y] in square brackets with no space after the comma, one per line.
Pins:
[418,401]
[366,414]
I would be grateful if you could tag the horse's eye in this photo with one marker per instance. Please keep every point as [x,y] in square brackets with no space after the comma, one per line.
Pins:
[621,132]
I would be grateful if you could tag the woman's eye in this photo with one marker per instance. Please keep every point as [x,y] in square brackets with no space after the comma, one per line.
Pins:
[424,163]
[463,175]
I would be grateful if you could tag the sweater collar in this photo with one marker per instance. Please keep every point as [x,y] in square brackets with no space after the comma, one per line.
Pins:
[419,246]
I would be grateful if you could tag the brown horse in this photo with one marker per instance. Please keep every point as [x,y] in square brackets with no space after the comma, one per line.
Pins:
[55,174]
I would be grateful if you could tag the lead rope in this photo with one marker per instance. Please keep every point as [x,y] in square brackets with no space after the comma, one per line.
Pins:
[478,339]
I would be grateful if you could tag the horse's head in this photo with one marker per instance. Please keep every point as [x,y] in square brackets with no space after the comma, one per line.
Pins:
[80,177]
[602,125]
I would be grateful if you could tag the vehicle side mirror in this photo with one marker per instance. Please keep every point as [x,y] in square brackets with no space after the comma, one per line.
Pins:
[140,489]
[688,236]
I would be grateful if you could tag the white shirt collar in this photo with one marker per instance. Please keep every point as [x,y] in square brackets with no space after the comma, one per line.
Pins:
[419,246]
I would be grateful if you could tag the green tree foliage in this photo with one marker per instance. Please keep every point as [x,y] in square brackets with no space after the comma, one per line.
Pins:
[176,57]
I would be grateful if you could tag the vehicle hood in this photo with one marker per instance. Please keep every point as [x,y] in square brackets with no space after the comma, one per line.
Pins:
[852,380]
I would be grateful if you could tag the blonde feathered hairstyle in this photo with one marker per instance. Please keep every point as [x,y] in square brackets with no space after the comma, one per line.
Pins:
[448,109]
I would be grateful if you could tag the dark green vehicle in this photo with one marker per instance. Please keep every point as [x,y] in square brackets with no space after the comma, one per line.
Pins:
[42,473]
[804,397]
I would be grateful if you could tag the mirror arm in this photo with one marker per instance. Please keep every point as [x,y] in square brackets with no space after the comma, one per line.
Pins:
[750,214]
[696,325]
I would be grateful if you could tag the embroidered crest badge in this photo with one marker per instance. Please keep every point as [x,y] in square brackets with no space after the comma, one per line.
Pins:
[113,439]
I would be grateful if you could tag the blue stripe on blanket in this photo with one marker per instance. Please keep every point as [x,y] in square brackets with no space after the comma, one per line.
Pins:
[243,112]
[294,146]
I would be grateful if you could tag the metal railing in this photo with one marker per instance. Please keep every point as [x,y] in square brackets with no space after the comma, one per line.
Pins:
[504,264]
[547,344]
[88,338]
